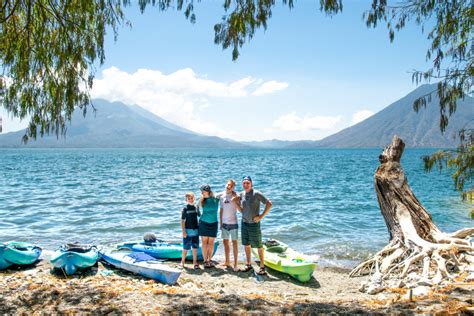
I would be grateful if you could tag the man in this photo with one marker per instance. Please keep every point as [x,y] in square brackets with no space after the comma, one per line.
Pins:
[249,205]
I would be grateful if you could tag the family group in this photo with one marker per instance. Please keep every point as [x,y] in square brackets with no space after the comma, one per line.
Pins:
[225,205]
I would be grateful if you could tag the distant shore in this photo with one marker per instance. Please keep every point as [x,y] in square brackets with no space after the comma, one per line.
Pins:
[104,289]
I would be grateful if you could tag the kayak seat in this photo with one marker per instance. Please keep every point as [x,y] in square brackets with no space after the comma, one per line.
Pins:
[141,256]
[21,246]
[77,248]
[271,243]
[277,249]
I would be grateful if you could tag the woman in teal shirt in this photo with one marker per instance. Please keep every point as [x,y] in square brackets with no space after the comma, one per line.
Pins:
[208,225]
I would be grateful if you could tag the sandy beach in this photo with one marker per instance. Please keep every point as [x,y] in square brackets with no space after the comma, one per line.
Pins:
[105,290]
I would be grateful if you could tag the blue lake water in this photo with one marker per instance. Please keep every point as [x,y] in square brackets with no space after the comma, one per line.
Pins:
[324,201]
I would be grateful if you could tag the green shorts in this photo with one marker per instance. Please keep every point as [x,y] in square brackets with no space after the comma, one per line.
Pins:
[251,235]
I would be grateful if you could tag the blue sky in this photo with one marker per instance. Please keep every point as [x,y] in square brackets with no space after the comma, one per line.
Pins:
[307,76]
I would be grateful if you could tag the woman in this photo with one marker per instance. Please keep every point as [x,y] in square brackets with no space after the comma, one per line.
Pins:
[209,205]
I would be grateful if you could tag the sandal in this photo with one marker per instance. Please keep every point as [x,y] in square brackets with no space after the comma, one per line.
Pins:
[262,271]
[207,265]
[247,268]
[197,267]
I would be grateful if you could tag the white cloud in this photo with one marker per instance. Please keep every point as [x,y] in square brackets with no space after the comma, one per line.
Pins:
[181,97]
[360,116]
[270,87]
[292,122]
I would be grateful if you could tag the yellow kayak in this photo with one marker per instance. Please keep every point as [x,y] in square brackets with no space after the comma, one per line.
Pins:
[278,256]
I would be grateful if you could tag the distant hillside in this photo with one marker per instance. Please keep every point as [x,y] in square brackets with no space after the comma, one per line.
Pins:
[119,125]
[273,143]
[416,129]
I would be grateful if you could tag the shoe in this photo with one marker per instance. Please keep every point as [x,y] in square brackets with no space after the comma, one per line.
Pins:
[262,271]
[197,267]
[248,267]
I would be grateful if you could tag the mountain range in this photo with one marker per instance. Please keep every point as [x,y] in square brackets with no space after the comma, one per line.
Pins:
[115,124]
[416,129]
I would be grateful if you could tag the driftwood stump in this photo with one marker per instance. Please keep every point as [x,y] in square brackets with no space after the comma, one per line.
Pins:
[418,253]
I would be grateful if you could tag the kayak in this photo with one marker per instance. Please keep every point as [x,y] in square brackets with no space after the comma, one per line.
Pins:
[280,257]
[163,250]
[71,257]
[19,253]
[142,264]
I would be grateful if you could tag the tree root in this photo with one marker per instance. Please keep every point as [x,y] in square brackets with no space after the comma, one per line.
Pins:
[413,263]
[418,252]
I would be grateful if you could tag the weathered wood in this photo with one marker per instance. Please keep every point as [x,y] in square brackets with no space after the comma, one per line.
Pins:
[417,251]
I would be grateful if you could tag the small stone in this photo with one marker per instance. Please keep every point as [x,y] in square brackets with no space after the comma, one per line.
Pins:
[374,289]
[420,290]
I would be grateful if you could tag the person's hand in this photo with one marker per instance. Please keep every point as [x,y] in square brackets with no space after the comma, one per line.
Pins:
[235,198]
[257,218]
[185,235]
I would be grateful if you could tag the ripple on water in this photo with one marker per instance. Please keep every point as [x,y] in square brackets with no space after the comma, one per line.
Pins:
[324,200]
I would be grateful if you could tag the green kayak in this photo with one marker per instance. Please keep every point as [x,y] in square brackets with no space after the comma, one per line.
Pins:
[278,256]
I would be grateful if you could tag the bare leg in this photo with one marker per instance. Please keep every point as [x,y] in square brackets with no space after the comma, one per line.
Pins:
[195,255]
[227,252]
[236,253]
[204,248]
[183,257]
[210,248]
[247,253]
[261,258]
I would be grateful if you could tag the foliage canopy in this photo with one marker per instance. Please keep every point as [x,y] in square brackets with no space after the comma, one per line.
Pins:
[49,50]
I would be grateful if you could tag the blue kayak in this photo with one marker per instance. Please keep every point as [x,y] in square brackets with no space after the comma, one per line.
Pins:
[71,257]
[163,250]
[142,264]
[19,253]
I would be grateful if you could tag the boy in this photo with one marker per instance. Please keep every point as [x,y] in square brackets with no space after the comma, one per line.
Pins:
[189,227]
[229,226]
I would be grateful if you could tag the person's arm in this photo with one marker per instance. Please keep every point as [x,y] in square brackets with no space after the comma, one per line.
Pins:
[220,216]
[268,206]
[183,229]
[236,201]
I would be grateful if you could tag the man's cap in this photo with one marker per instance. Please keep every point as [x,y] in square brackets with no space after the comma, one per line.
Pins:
[246,178]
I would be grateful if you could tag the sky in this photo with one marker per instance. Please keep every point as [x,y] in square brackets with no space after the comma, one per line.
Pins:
[306,77]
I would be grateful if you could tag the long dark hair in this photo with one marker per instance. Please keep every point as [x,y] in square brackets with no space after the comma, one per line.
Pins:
[202,200]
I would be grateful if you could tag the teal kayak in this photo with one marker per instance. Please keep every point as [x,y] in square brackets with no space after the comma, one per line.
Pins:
[71,257]
[163,250]
[142,264]
[19,253]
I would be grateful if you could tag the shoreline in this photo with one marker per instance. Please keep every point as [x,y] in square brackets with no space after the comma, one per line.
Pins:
[104,289]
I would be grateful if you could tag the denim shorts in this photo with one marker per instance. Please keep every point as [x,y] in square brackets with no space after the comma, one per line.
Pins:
[230,232]
[191,240]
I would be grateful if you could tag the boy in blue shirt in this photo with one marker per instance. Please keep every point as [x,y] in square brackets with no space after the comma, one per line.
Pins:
[189,227]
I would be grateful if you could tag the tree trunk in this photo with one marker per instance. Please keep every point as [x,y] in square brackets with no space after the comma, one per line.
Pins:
[418,252]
